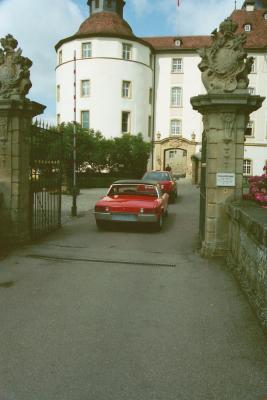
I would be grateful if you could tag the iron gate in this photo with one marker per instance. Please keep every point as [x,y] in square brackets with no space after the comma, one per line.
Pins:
[45,180]
[202,209]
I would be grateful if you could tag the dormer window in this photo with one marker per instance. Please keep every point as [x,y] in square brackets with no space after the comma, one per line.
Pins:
[177,42]
[247,28]
[265,16]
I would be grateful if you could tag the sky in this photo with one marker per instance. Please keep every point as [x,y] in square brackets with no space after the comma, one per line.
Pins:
[39,24]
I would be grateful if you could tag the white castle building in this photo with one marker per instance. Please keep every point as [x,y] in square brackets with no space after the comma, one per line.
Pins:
[127,84]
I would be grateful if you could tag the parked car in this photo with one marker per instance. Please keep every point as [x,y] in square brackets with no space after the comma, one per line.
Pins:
[135,201]
[166,180]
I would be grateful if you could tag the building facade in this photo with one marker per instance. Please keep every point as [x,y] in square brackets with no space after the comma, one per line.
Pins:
[126,84]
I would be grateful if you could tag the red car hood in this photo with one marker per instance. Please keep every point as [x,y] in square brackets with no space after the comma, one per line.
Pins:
[128,203]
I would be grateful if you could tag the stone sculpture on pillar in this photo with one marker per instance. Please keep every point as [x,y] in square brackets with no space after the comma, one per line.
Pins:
[225,66]
[14,70]
[16,113]
[225,109]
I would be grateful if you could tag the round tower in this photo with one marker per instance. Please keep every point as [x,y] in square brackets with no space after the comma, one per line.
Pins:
[113,73]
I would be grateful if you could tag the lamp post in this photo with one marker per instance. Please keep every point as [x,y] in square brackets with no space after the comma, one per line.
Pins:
[74,186]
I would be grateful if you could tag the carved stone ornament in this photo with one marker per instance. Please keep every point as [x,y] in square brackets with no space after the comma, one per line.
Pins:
[14,70]
[225,66]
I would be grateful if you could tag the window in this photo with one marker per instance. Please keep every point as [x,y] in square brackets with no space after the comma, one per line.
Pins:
[253,67]
[96,3]
[251,90]
[150,60]
[249,131]
[177,42]
[126,51]
[172,154]
[58,92]
[247,27]
[60,57]
[150,95]
[125,121]
[109,3]
[126,89]
[177,65]
[58,119]
[176,127]
[149,126]
[247,167]
[265,16]
[176,97]
[85,119]
[85,88]
[86,50]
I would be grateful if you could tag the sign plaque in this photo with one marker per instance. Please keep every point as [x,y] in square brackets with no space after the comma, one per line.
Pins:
[225,179]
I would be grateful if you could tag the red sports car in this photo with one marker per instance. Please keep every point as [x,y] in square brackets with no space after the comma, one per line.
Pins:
[166,180]
[136,201]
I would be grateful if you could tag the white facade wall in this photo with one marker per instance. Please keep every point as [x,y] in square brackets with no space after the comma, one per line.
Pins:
[190,82]
[106,70]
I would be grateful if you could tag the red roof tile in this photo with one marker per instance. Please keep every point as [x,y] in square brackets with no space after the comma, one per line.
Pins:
[105,23]
[187,42]
[256,39]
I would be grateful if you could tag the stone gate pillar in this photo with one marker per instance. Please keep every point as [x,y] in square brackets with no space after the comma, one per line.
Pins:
[225,109]
[16,113]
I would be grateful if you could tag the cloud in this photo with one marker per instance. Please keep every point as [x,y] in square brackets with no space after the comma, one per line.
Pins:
[38,25]
[193,19]
[142,7]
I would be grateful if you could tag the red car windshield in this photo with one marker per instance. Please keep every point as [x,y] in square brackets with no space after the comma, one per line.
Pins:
[135,190]
[157,176]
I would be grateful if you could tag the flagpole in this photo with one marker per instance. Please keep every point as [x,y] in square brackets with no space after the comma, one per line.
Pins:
[74,186]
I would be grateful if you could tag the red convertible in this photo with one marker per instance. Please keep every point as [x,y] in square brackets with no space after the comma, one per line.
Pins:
[135,201]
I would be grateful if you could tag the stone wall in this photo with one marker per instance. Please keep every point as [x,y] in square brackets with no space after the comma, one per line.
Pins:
[247,257]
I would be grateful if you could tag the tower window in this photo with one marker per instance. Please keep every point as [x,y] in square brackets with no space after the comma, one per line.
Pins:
[58,92]
[85,88]
[85,119]
[176,127]
[150,95]
[126,89]
[96,3]
[126,51]
[247,28]
[177,65]
[60,57]
[176,97]
[125,121]
[86,50]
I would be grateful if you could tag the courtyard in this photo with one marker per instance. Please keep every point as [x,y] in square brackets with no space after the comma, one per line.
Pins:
[126,314]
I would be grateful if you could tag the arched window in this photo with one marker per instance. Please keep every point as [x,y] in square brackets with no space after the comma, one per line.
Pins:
[247,27]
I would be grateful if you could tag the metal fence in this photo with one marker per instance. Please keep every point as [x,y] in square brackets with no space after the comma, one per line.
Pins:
[45,180]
